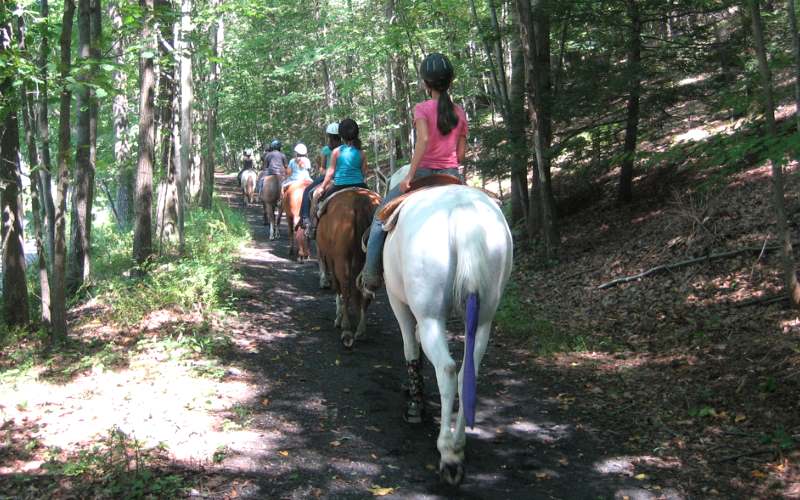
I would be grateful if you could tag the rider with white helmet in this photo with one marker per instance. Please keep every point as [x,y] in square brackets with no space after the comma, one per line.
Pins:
[299,167]
[334,141]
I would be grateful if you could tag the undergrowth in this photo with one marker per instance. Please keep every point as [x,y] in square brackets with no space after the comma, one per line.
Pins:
[195,284]
[117,466]
[198,281]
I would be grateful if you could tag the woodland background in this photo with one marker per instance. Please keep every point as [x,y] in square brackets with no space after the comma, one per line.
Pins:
[625,137]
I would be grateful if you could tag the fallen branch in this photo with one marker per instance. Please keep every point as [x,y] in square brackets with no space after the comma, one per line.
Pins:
[750,453]
[684,263]
[762,301]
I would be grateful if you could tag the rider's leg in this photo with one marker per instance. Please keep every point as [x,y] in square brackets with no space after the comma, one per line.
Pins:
[370,278]
[305,206]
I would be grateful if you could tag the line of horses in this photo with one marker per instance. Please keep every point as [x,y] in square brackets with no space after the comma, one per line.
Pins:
[449,251]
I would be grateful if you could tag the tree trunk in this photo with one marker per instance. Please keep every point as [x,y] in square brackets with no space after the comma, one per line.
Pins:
[217,38]
[167,216]
[143,200]
[64,154]
[28,115]
[79,264]
[632,120]
[796,55]
[122,147]
[516,131]
[535,35]
[792,288]
[15,289]
[44,135]
[187,99]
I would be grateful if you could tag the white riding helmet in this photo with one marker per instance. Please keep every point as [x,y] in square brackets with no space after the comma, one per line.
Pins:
[332,129]
[301,149]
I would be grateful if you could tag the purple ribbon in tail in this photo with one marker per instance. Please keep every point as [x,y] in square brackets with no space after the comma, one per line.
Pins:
[469,384]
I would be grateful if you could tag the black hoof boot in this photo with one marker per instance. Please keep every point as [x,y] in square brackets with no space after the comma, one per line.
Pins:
[451,474]
[413,413]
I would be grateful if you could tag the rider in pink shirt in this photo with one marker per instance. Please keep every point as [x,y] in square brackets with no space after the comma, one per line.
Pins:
[441,128]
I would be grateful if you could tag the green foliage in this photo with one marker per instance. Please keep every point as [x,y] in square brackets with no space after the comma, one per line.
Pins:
[199,280]
[117,467]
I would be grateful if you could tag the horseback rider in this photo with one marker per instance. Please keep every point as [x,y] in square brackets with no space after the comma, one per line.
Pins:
[273,163]
[332,131]
[299,166]
[441,130]
[347,166]
[247,163]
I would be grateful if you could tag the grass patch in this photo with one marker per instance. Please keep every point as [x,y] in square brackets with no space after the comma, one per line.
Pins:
[518,320]
[198,281]
[115,467]
[194,286]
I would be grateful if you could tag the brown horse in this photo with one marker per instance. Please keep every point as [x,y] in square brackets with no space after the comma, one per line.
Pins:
[347,217]
[271,201]
[248,182]
[292,199]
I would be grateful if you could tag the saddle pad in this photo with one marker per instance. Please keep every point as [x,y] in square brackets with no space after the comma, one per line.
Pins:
[322,205]
[417,185]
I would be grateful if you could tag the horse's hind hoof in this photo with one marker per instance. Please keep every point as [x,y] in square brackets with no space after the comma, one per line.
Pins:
[347,340]
[413,412]
[451,474]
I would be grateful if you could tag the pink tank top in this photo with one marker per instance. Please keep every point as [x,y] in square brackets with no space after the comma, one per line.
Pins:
[441,151]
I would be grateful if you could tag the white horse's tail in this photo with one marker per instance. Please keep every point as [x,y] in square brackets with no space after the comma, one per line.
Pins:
[468,238]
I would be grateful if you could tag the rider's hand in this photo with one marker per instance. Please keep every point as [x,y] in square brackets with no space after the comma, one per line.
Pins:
[405,185]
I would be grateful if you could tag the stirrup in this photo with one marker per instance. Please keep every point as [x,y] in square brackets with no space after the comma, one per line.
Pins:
[366,291]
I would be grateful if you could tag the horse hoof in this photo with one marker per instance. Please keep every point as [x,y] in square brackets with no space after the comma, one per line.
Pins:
[347,340]
[451,474]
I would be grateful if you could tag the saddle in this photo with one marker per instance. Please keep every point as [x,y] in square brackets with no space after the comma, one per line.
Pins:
[421,184]
[323,204]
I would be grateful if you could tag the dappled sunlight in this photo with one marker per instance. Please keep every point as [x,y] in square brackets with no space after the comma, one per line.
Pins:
[626,465]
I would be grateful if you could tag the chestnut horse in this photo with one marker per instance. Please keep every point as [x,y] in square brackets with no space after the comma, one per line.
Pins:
[292,199]
[248,182]
[347,217]
[271,201]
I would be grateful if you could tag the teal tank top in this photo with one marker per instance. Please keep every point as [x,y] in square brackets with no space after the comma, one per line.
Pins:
[326,153]
[348,167]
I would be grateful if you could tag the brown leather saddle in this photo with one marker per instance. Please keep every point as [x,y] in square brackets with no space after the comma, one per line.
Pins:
[430,181]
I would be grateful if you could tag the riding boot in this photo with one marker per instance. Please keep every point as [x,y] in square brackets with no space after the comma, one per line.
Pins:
[369,280]
[416,402]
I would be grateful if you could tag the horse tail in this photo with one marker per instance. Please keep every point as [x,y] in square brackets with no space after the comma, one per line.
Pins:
[468,239]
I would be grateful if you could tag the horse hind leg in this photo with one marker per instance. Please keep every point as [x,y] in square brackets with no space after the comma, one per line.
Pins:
[433,337]
[481,344]
[408,326]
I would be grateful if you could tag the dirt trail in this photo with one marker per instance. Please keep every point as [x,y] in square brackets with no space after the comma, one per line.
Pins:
[327,422]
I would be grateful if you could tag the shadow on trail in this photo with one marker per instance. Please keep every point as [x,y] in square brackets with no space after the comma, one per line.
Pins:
[327,422]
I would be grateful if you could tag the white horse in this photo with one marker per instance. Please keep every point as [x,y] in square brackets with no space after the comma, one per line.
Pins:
[248,183]
[450,250]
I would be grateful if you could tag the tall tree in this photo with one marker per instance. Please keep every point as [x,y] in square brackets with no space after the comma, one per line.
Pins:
[792,288]
[217,41]
[59,304]
[534,22]
[45,175]
[186,102]
[143,200]
[29,122]
[79,264]
[122,147]
[796,54]
[634,73]
[15,289]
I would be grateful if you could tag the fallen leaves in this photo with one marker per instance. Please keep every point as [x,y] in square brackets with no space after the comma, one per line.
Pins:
[379,491]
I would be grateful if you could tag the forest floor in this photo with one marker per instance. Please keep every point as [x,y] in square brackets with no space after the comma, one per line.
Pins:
[659,388]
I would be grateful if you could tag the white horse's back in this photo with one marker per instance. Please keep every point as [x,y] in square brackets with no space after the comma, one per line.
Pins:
[457,239]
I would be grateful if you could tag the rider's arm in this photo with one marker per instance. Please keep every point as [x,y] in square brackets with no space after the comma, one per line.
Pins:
[421,126]
[461,149]
[331,170]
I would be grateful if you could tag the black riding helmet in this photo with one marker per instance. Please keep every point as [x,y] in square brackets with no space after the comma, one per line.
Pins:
[348,129]
[436,69]
[275,145]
